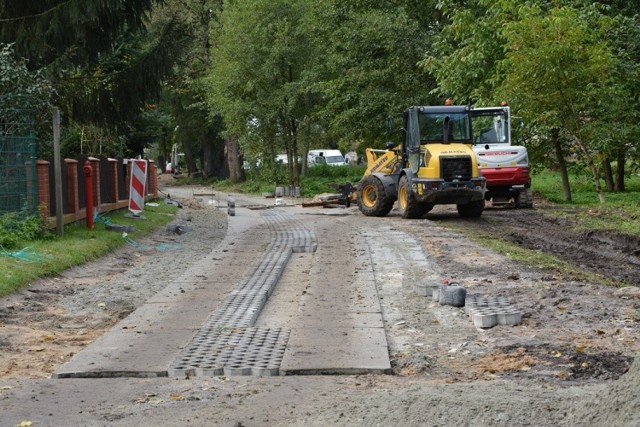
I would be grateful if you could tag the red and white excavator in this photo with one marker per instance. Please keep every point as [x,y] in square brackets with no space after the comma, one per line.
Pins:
[505,166]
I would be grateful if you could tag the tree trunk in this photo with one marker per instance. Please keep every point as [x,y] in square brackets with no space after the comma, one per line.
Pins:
[213,161]
[191,150]
[205,160]
[294,151]
[234,160]
[620,159]
[608,174]
[305,150]
[596,180]
[592,166]
[566,185]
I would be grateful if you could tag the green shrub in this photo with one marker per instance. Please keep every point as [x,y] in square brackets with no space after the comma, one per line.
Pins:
[16,227]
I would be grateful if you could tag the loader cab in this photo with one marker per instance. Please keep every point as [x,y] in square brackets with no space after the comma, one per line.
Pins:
[434,125]
[437,125]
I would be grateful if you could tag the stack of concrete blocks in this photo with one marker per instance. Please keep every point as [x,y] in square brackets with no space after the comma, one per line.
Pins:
[231,206]
[491,311]
[483,312]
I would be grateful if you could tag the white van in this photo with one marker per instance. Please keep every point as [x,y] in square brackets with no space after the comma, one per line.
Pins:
[330,157]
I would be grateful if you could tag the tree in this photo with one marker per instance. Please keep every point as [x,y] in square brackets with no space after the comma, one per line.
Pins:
[184,92]
[366,65]
[259,56]
[623,36]
[25,96]
[465,53]
[103,63]
[71,32]
[559,69]
[154,126]
[556,65]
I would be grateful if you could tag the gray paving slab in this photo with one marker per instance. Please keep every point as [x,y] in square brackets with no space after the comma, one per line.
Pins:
[355,299]
[352,319]
[335,316]
[215,292]
[148,340]
[127,353]
[336,351]
[186,313]
[337,326]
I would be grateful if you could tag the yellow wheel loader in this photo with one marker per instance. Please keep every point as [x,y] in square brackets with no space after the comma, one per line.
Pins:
[433,165]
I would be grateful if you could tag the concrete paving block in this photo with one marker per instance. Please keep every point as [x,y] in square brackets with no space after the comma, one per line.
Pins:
[435,294]
[509,317]
[422,290]
[216,371]
[237,371]
[265,372]
[454,295]
[485,319]
[181,372]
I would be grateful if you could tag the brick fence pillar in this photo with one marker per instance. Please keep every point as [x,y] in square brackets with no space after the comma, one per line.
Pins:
[127,178]
[72,185]
[95,167]
[113,180]
[153,171]
[44,202]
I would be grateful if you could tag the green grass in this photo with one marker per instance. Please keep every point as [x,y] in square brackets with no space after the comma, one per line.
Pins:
[319,179]
[48,257]
[530,257]
[620,212]
[325,179]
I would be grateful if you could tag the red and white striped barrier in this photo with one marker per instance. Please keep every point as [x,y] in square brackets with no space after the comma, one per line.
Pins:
[137,185]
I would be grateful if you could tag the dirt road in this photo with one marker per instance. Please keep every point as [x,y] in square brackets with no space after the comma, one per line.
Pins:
[567,363]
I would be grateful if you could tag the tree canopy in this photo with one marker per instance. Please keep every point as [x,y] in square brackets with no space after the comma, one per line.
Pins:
[234,79]
[25,96]
[557,65]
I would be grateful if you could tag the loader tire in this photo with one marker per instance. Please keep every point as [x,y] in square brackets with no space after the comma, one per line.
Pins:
[471,209]
[524,199]
[372,197]
[409,207]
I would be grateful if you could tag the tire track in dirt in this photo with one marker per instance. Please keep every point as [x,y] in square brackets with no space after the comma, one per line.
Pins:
[607,253]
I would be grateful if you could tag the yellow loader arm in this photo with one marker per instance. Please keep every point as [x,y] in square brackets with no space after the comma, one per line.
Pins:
[383,161]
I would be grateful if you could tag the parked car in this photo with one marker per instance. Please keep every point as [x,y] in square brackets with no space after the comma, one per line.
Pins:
[326,156]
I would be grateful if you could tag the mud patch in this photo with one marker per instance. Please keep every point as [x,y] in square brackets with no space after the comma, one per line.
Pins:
[560,362]
[609,254]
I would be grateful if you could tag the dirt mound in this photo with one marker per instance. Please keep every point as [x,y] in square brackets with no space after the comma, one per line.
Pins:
[618,405]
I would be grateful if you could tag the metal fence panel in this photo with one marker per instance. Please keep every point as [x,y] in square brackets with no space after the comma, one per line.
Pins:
[18,174]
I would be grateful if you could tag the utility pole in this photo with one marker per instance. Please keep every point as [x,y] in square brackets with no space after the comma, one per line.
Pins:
[57,167]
